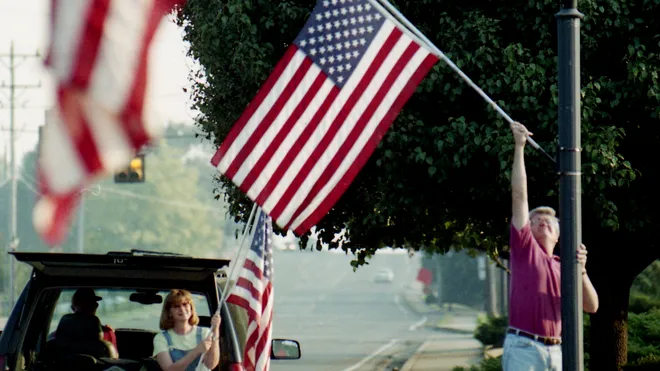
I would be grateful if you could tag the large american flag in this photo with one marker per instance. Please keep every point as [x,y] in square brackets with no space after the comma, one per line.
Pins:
[323,110]
[99,57]
[254,292]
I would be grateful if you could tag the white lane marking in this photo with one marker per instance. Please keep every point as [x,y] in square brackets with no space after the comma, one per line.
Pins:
[372,355]
[397,301]
[418,324]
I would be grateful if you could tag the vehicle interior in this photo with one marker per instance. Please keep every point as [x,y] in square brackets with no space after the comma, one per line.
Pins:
[55,341]
[42,332]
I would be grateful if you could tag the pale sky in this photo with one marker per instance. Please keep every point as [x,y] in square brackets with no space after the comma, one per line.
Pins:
[25,22]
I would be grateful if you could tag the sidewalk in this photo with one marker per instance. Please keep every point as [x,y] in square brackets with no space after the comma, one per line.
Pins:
[439,354]
[444,355]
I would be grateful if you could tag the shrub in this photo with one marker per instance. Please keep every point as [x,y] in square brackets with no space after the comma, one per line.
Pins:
[492,331]
[643,335]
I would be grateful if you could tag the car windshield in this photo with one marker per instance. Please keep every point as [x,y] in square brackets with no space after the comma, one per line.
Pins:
[117,310]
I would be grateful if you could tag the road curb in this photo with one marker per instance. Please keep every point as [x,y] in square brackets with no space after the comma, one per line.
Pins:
[454,330]
[411,361]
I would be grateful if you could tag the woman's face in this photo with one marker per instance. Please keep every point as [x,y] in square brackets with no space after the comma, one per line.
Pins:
[181,311]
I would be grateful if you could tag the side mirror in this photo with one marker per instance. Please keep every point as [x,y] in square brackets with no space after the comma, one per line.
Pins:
[285,349]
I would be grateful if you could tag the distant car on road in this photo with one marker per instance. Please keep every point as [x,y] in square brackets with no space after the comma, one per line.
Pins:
[384,275]
[131,286]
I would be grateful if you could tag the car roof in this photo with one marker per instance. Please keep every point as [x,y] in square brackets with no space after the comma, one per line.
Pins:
[131,264]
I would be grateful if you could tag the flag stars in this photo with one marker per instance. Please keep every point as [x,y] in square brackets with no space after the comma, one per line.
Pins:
[319,17]
[322,49]
[353,20]
[363,41]
[311,30]
[347,33]
[326,4]
[337,35]
[331,48]
[319,28]
[367,6]
[331,70]
[351,9]
[337,24]
[328,26]
[327,14]
[343,11]
[340,79]
[361,19]
[362,30]
[322,60]
[359,8]
[370,29]
[303,43]
[331,59]
[335,12]
[312,41]
[338,46]
[312,52]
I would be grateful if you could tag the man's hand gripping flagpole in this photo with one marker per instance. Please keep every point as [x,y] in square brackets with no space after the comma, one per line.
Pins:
[394,12]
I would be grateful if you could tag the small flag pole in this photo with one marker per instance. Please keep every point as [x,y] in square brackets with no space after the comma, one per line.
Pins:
[249,230]
[394,12]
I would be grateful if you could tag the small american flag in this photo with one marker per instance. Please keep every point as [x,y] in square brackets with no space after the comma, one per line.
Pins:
[98,55]
[323,110]
[254,292]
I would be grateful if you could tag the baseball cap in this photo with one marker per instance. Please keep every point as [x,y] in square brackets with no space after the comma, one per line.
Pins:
[85,295]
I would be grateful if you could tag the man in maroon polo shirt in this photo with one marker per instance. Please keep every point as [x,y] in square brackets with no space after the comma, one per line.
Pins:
[533,340]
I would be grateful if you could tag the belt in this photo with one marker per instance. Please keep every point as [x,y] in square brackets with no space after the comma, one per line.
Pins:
[540,339]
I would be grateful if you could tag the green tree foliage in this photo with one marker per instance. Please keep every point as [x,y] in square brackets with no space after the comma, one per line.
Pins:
[440,177]
[645,291]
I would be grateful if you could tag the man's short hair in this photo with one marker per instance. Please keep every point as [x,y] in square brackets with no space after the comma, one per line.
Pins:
[543,210]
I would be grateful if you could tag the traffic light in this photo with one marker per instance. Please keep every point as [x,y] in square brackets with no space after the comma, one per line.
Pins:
[133,173]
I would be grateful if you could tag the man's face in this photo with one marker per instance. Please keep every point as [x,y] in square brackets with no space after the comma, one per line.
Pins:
[545,227]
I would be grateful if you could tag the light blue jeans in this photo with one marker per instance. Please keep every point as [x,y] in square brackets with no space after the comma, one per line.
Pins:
[524,354]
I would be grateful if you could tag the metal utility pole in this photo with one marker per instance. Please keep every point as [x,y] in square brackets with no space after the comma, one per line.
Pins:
[570,211]
[81,224]
[13,238]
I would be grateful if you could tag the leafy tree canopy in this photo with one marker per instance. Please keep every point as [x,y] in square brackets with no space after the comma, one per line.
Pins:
[440,177]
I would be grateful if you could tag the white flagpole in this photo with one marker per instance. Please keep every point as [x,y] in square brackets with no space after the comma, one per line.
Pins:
[392,11]
[249,230]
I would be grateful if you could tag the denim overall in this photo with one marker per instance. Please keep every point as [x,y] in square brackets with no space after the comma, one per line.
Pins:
[177,354]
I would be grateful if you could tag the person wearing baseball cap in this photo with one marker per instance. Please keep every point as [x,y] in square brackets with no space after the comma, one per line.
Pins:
[85,301]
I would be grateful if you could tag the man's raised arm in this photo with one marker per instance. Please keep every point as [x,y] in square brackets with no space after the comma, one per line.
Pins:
[520,206]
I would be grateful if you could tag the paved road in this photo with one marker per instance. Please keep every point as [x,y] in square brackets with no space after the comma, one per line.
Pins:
[342,318]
